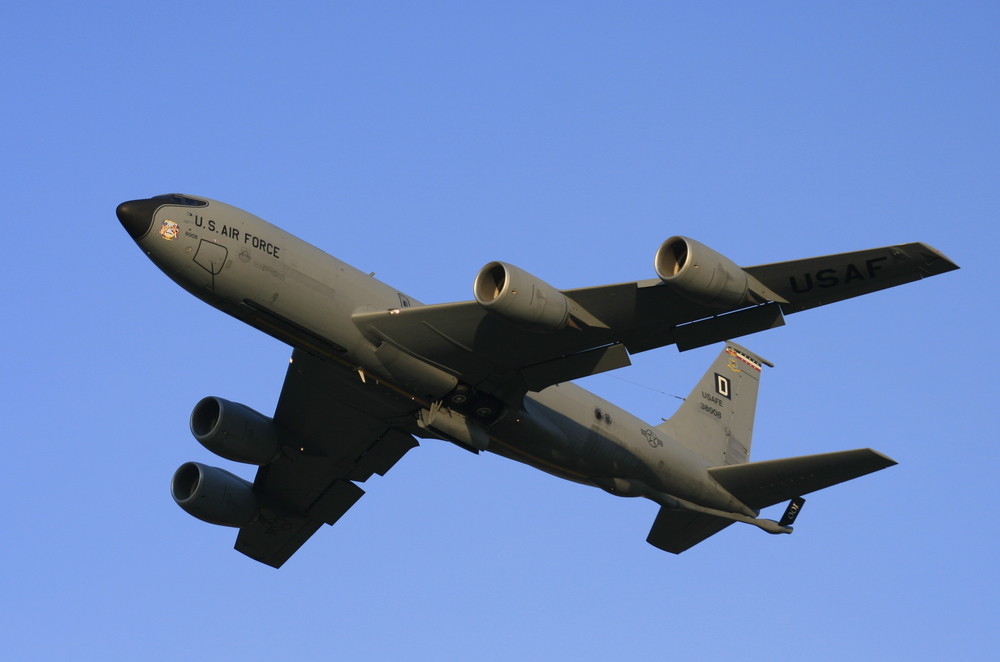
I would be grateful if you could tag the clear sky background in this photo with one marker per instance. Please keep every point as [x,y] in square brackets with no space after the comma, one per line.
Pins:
[421,141]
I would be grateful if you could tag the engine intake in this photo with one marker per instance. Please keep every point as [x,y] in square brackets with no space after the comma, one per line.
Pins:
[213,495]
[235,431]
[520,298]
[701,274]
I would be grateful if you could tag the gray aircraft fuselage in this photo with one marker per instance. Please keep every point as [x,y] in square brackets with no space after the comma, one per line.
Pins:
[270,279]
[373,368]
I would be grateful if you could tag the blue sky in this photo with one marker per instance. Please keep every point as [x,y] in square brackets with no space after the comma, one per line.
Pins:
[421,141]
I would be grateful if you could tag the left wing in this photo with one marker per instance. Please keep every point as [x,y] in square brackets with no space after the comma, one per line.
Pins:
[487,351]
[336,433]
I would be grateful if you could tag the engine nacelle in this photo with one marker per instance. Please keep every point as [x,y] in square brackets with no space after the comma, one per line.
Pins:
[213,495]
[701,274]
[235,431]
[520,298]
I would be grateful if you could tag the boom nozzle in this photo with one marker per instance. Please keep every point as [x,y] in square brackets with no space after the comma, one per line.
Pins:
[770,526]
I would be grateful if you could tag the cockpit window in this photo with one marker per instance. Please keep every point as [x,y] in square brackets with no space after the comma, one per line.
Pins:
[178,199]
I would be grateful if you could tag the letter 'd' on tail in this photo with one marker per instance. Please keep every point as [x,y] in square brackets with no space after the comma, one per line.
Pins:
[716,420]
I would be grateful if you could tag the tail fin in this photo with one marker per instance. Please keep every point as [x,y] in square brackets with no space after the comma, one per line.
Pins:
[716,420]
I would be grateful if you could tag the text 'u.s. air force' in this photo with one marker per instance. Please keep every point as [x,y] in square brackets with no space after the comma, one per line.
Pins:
[233,232]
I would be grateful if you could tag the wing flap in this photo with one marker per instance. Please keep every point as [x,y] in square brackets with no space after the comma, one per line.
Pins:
[572,367]
[382,455]
[731,325]
[763,484]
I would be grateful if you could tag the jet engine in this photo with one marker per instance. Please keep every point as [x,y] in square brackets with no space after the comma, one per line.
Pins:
[213,495]
[235,431]
[701,274]
[520,298]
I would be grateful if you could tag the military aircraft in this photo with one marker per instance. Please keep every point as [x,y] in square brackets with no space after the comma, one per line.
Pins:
[372,368]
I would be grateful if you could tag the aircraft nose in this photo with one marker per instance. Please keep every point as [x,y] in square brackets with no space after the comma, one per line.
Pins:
[136,216]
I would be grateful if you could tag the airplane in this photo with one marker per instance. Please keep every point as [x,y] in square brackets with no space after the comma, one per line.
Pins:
[373,369]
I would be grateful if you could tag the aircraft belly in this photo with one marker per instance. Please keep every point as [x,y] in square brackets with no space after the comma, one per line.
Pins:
[554,433]
[615,446]
[556,459]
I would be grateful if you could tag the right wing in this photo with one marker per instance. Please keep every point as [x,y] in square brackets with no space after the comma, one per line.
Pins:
[337,433]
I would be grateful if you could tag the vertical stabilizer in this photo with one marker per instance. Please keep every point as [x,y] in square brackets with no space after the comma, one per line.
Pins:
[716,420]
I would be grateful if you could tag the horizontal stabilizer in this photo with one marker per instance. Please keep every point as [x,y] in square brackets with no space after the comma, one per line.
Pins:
[677,530]
[763,484]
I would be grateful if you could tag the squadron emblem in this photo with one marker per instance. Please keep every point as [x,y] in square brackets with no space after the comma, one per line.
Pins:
[169,230]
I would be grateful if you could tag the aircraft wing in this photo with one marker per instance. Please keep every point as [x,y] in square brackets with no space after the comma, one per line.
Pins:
[490,353]
[336,433]
[821,280]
